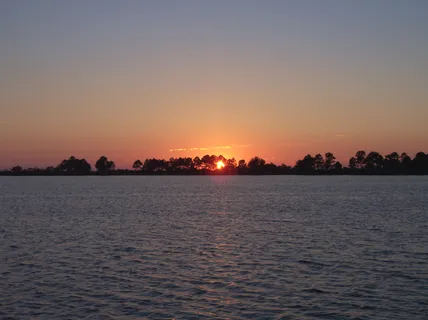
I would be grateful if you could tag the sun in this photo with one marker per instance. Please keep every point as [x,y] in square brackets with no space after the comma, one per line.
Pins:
[220,165]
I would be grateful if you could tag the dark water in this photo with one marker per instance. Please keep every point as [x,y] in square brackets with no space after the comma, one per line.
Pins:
[214,248]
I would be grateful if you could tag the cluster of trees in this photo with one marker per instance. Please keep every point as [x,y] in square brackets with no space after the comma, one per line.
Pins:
[393,163]
[365,163]
[361,163]
[208,164]
[71,166]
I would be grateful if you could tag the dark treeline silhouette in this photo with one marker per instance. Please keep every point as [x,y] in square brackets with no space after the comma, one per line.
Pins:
[372,163]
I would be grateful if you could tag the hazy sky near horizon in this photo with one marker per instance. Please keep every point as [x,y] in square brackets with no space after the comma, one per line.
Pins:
[278,79]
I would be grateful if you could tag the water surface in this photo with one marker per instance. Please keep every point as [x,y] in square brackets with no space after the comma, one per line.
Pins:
[281,247]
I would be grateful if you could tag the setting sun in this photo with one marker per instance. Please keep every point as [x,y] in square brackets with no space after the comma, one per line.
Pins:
[220,165]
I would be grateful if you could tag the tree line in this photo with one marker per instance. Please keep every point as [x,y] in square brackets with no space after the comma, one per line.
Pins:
[372,163]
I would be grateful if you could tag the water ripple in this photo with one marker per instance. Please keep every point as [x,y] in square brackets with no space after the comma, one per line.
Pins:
[213,248]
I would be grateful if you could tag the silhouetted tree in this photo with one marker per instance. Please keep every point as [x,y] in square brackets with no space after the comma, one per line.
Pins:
[256,164]
[138,165]
[242,167]
[155,166]
[318,162]
[405,163]
[207,162]
[213,162]
[352,163]
[306,165]
[420,163]
[360,156]
[221,158]
[242,164]
[338,167]
[178,165]
[329,162]
[373,162]
[16,169]
[357,162]
[392,164]
[188,162]
[230,166]
[51,170]
[270,168]
[231,163]
[197,162]
[104,166]
[284,169]
[74,166]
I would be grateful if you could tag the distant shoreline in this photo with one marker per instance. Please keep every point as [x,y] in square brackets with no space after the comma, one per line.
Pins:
[95,174]
[372,163]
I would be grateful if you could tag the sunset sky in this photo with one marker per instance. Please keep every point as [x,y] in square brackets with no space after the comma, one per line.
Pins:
[278,79]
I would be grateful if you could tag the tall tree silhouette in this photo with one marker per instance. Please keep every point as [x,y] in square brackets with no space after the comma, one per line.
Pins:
[392,164]
[137,165]
[256,165]
[306,165]
[405,163]
[420,163]
[373,162]
[209,161]
[329,162]
[356,163]
[242,167]
[318,162]
[242,164]
[338,167]
[231,163]
[197,162]
[104,166]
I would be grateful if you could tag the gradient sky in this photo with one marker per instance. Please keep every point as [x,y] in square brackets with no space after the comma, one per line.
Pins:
[278,79]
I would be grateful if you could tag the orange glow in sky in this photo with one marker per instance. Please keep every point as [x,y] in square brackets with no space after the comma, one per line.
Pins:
[153,79]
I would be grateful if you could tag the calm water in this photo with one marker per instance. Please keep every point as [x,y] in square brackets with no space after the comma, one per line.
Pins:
[214,247]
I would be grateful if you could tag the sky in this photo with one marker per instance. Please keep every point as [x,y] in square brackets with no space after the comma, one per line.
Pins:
[277,79]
